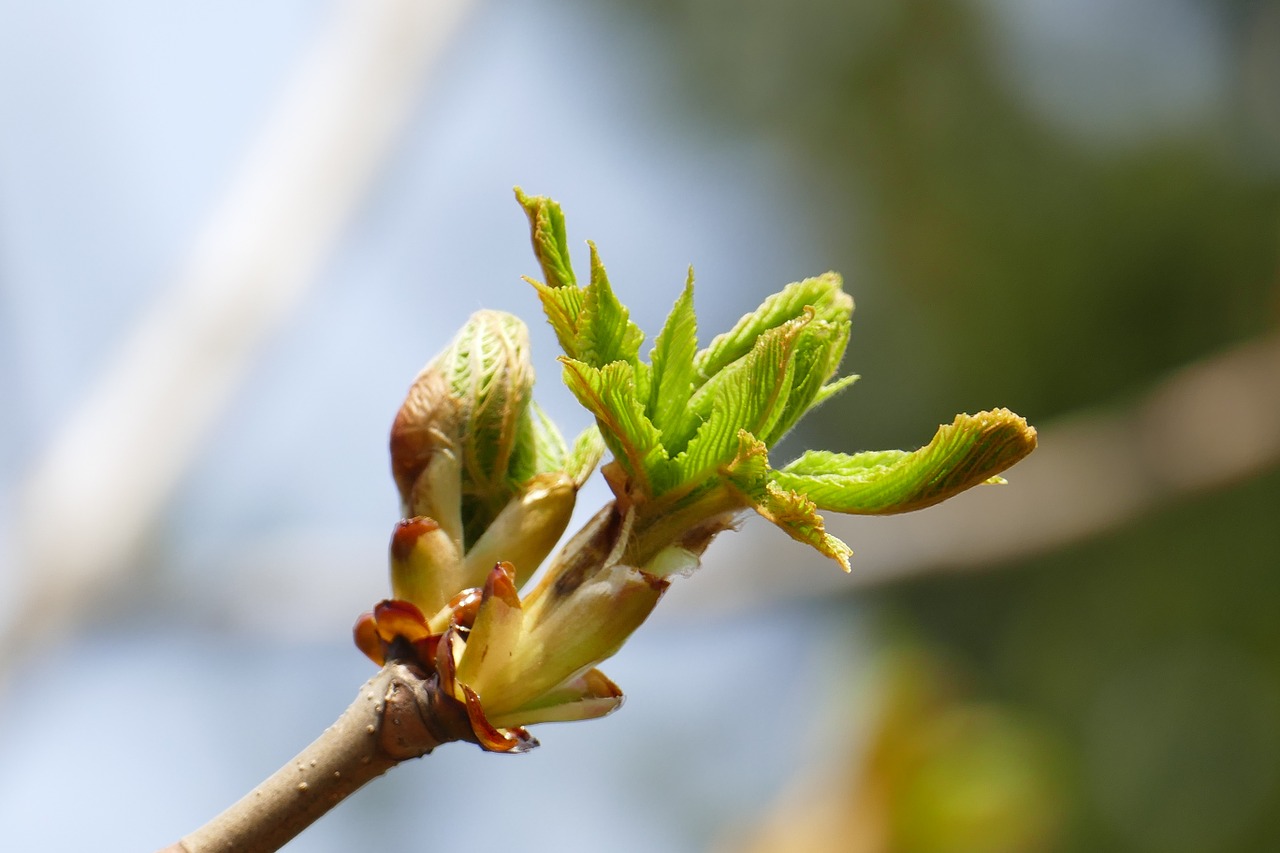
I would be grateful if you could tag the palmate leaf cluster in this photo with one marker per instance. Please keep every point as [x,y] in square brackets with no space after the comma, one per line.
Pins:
[691,428]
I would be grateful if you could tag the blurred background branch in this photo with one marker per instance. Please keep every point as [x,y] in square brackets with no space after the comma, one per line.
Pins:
[95,492]
[1209,425]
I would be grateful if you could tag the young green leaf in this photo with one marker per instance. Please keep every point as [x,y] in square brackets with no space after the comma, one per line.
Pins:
[550,243]
[609,393]
[865,465]
[826,392]
[822,294]
[588,447]
[691,430]
[605,331]
[818,351]
[546,450]
[488,364]
[563,307]
[672,359]
[750,394]
[797,516]
[750,476]
[970,451]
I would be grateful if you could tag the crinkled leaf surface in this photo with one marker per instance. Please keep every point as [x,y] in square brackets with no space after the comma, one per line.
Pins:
[750,394]
[605,331]
[550,242]
[695,424]
[609,393]
[541,445]
[563,307]
[793,512]
[672,360]
[822,294]
[588,447]
[971,450]
[818,351]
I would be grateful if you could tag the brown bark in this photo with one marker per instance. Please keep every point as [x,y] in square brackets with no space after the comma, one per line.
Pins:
[399,714]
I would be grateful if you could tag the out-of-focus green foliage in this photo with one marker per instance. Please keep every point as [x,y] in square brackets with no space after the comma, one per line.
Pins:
[970,226]
[1153,655]
[999,253]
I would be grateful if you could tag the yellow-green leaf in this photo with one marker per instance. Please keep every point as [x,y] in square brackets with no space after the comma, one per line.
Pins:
[672,359]
[970,451]
[563,307]
[588,447]
[750,394]
[798,517]
[605,331]
[550,242]
[822,294]
[609,393]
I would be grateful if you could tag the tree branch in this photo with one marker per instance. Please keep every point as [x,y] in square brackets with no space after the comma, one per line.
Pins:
[399,714]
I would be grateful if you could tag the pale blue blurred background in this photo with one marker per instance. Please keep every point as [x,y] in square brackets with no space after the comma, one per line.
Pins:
[228,648]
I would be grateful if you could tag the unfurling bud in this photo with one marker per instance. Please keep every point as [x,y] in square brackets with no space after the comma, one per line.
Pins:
[424,451]
[484,476]
[472,402]
[488,484]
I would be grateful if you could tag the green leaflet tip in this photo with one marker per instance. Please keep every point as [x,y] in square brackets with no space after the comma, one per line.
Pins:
[970,451]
